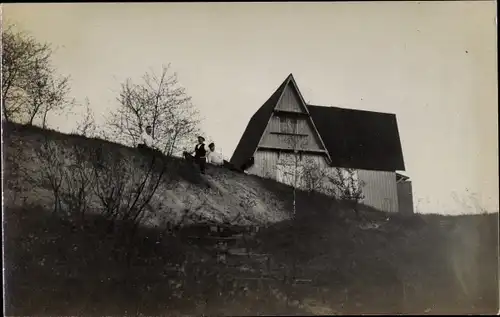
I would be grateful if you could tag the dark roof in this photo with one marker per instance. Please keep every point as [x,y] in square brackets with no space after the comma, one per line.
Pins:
[354,138]
[359,139]
[255,128]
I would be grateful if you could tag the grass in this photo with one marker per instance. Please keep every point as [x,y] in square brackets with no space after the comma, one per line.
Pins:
[326,260]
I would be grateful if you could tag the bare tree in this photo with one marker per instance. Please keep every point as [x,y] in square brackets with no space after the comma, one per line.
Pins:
[158,101]
[314,177]
[348,187]
[50,161]
[87,177]
[346,183]
[296,143]
[86,126]
[124,190]
[31,88]
[341,183]
[307,174]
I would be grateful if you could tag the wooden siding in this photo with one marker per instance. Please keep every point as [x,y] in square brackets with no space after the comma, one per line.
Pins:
[405,197]
[267,163]
[380,189]
[277,121]
[290,101]
[264,164]
[287,171]
[305,133]
[318,159]
[290,165]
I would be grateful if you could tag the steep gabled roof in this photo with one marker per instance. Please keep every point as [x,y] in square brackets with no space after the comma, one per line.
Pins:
[353,138]
[256,127]
[360,139]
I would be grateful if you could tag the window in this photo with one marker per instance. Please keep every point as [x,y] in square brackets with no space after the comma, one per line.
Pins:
[288,125]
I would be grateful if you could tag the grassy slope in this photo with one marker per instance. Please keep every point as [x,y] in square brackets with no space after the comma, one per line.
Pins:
[431,263]
[220,196]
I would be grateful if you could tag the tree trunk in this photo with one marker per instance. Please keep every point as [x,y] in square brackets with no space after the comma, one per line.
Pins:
[32,118]
[44,122]
[6,114]
[295,185]
[35,110]
[172,144]
[7,83]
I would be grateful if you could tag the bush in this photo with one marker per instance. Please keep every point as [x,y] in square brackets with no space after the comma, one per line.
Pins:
[87,179]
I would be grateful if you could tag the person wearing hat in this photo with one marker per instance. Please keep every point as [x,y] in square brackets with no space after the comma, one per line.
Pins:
[213,157]
[200,153]
[216,158]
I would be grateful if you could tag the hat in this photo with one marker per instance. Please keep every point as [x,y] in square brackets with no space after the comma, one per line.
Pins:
[199,136]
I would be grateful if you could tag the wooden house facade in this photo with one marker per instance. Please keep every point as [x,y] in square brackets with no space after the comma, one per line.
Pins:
[286,135]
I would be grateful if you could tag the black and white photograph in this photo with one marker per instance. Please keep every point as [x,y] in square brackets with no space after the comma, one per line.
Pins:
[247,159]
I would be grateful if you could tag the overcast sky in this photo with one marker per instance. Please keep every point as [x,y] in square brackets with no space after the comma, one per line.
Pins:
[432,64]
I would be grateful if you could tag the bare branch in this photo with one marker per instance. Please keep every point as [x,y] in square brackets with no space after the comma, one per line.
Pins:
[158,101]
[30,86]
[87,126]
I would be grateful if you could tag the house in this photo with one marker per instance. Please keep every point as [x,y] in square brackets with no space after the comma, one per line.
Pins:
[285,132]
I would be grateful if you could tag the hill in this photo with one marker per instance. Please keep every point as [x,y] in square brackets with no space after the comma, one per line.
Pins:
[223,244]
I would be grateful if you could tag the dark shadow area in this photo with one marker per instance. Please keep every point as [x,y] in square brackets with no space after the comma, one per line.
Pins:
[54,267]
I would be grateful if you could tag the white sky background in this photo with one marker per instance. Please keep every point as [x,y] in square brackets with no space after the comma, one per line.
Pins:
[433,64]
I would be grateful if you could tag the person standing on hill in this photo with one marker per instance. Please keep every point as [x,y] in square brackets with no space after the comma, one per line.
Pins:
[200,154]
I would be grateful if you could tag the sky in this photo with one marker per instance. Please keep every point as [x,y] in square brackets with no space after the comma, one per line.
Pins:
[433,64]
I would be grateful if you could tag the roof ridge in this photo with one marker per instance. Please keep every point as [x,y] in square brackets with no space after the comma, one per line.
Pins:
[280,89]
